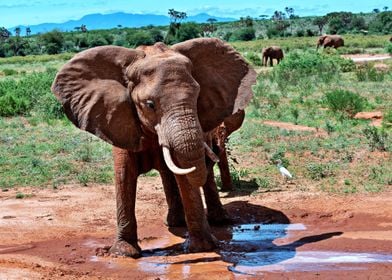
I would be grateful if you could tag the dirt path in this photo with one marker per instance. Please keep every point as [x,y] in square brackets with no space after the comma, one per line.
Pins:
[367,57]
[282,235]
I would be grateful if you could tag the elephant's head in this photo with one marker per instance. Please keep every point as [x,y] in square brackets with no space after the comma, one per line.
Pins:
[138,98]
[320,41]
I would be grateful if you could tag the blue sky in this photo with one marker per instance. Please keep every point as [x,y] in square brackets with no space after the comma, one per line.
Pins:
[31,12]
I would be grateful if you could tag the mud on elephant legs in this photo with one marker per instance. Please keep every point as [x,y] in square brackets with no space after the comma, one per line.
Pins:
[200,237]
[126,179]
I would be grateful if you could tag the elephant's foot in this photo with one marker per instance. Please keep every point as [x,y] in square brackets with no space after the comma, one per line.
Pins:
[219,218]
[123,248]
[197,244]
[175,218]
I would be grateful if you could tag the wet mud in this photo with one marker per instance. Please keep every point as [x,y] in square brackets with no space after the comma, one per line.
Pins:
[56,233]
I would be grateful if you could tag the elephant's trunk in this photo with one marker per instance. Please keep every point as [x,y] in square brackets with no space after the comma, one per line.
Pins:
[182,136]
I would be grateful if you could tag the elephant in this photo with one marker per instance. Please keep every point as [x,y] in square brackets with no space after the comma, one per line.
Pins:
[219,137]
[156,105]
[335,41]
[271,53]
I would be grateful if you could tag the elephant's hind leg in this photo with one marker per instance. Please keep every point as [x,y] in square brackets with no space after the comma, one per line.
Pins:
[126,173]
[175,213]
[216,214]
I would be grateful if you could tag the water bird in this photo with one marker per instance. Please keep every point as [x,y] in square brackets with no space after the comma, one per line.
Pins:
[285,173]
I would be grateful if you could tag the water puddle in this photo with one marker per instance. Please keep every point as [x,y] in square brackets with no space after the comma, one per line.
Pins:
[248,249]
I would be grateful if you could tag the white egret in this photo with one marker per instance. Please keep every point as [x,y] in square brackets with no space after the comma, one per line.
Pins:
[285,173]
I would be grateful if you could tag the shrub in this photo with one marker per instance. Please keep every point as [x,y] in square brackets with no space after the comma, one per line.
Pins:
[388,48]
[29,94]
[387,120]
[9,72]
[244,34]
[299,68]
[317,171]
[377,138]
[366,72]
[345,102]
[253,58]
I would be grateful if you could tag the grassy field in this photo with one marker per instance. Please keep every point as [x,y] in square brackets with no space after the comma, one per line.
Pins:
[38,147]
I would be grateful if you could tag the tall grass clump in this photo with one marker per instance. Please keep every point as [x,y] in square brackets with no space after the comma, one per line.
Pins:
[302,67]
[367,72]
[388,48]
[29,95]
[344,102]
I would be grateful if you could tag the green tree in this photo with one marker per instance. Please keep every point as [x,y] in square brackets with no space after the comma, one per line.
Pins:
[188,30]
[320,22]
[52,41]
[382,23]
[17,31]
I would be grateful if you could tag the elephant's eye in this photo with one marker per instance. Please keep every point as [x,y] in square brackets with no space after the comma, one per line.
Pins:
[150,104]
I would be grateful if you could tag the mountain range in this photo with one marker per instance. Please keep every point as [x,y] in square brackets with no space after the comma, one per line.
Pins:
[107,21]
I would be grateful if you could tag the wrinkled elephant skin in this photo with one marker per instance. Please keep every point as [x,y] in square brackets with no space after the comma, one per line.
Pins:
[155,105]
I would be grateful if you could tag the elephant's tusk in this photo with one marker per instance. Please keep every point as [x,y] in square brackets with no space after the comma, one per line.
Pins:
[210,153]
[172,166]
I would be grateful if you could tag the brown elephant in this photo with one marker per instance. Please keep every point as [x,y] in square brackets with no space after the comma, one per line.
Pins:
[155,105]
[334,41]
[219,138]
[273,52]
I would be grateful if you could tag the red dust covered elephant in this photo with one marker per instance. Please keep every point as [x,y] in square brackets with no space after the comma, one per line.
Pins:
[155,105]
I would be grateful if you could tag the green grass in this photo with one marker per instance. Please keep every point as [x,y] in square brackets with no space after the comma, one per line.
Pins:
[51,155]
[40,148]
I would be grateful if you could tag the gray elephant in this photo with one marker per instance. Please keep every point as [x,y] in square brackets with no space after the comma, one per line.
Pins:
[334,41]
[155,105]
[273,52]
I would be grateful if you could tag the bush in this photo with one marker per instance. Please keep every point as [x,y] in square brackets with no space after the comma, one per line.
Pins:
[244,34]
[388,48]
[317,171]
[366,72]
[298,68]
[9,72]
[29,94]
[377,138]
[253,58]
[139,38]
[345,102]
[387,120]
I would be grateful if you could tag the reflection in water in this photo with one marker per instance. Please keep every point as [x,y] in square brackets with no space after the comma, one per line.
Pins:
[247,249]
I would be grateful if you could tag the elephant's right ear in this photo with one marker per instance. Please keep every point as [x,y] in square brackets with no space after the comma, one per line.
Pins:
[93,91]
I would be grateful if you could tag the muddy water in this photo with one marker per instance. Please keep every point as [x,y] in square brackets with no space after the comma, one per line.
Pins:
[245,250]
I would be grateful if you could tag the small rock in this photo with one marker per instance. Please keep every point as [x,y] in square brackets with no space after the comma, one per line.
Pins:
[256,227]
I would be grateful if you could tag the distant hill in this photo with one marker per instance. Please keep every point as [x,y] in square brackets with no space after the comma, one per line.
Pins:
[107,21]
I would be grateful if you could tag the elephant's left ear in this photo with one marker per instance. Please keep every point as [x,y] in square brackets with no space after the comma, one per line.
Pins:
[225,79]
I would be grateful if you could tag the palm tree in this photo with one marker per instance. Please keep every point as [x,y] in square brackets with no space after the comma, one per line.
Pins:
[28,31]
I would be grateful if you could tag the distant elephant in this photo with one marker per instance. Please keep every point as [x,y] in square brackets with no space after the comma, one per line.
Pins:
[335,41]
[155,105]
[273,52]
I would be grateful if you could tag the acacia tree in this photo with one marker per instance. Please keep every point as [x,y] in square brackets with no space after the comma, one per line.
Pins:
[175,23]
[17,31]
[320,22]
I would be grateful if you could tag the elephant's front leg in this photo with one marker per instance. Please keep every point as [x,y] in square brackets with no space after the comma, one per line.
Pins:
[125,167]
[200,237]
